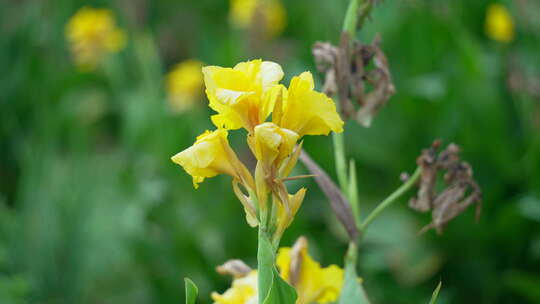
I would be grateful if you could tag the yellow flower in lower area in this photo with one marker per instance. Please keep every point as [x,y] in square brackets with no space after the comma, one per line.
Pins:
[209,156]
[241,95]
[184,85]
[268,14]
[499,23]
[305,111]
[92,33]
[243,291]
[314,284]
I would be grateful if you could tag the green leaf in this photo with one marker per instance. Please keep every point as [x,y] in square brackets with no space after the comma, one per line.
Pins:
[353,292]
[435,293]
[191,291]
[272,288]
[280,291]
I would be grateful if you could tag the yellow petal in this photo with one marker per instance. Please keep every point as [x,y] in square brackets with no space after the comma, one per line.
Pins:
[315,284]
[207,157]
[308,112]
[272,143]
[240,94]
[242,291]
[284,218]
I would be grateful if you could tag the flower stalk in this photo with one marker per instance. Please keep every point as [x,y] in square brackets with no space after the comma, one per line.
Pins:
[391,199]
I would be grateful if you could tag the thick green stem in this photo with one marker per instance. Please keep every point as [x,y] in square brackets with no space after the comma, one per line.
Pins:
[265,264]
[391,199]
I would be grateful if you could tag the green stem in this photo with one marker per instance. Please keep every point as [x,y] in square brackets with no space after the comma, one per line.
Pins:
[265,264]
[392,198]
[341,165]
[351,18]
[357,13]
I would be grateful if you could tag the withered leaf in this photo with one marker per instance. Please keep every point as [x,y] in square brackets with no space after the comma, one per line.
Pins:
[234,268]
[348,68]
[339,204]
[461,191]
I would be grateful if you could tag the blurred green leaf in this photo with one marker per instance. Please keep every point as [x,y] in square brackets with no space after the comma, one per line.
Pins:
[435,293]
[191,291]
[353,291]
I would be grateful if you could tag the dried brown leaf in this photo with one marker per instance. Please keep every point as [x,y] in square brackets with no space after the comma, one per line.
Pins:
[461,191]
[339,204]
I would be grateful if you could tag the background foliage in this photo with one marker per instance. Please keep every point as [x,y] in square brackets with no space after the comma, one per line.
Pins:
[93,211]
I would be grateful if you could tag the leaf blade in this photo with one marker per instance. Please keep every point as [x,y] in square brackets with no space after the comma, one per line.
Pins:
[353,292]
[435,293]
[191,291]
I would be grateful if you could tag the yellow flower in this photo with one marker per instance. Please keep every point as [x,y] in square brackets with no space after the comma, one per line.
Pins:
[499,23]
[184,85]
[314,284]
[241,95]
[209,156]
[268,14]
[243,291]
[92,33]
[306,111]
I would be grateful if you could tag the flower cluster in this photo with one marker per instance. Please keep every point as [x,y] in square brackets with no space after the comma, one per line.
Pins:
[92,33]
[184,85]
[244,97]
[313,283]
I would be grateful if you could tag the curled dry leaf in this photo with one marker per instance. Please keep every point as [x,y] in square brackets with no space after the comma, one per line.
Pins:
[234,268]
[461,189]
[339,204]
[350,69]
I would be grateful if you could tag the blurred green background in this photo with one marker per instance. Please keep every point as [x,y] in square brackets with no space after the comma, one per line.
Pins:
[93,211]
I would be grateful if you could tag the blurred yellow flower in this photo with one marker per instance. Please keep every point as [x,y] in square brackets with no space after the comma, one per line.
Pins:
[268,14]
[209,156]
[306,111]
[92,33]
[184,85]
[243,291]
[241,94]
[499,23]
[313,283]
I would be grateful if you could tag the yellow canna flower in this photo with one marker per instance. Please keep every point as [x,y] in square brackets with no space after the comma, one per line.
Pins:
[209,156]
[243,291]
[314,284]
[306,111]
[92,33]
[499,23]
[241,95]
[184,85]
[268,14]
